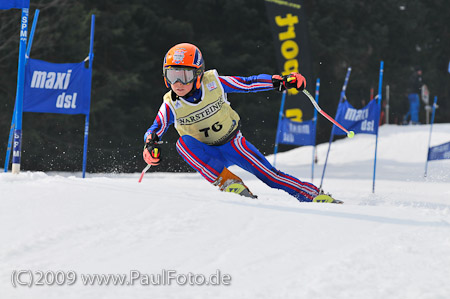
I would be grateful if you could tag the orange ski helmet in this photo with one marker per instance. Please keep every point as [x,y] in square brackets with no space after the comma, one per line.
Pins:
[184,63]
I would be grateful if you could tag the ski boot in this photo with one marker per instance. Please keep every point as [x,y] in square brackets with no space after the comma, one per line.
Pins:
[322,197]
[229,182]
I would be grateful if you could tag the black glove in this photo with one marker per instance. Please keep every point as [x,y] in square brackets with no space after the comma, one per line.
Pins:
[293,80]
[152,153]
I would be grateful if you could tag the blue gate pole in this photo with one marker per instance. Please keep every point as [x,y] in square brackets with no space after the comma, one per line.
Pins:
[33,29]
[429,137]
[11,131]
[380,84]
[315,125]
[85,146]
[8,149]
[17,138]
[280,116]
[341,98]
[86,123]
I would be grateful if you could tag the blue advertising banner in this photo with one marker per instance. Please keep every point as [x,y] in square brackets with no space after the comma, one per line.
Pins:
[297,133]
[7,4]
[63,88]
[360,121]
[439,152]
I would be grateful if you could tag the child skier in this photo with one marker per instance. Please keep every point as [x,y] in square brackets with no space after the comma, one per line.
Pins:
[210,138]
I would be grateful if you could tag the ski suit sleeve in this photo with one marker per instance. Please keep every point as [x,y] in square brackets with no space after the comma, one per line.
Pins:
[255,83]
[162,121]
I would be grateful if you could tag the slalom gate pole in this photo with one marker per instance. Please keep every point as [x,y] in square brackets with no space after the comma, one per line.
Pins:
[326,157]
[388,95]
[85,145]
[380,85]
[86,122]
[315,125]
[17,135]
[429,137]
[280,117]
[33,29]
[341,98]
[27,55]
[8,149]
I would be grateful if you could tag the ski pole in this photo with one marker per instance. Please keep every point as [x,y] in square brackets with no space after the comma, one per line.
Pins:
[155,152]
[350,134]
[143,172]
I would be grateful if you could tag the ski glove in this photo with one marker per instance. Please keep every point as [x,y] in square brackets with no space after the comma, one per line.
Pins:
[293,80]
[152,153]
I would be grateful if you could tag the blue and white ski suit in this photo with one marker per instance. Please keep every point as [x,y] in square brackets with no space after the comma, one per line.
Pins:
[210,159]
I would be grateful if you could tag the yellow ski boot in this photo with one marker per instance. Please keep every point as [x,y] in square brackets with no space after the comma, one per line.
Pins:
[229,182]
[322,197]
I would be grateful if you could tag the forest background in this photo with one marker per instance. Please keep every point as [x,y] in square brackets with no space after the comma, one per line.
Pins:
[132,37]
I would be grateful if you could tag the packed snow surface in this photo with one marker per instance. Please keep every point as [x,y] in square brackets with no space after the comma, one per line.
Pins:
[394,243]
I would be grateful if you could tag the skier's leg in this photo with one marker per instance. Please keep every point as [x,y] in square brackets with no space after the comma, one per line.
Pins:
[405,118]
[229,182]
[245,155]
[203,158]
[211,164]
[415,107]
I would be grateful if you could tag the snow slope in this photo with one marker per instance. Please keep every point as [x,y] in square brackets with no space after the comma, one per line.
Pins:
[394,243]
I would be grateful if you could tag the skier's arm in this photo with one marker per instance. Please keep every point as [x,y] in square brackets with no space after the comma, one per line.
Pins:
[256,83]
[162,122]
[152,153]
[262,82]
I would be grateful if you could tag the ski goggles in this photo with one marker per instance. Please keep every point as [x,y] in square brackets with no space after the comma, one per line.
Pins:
[183,75]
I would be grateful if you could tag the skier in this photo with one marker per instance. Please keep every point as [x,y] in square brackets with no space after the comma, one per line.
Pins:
[210,138]
[414,90]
